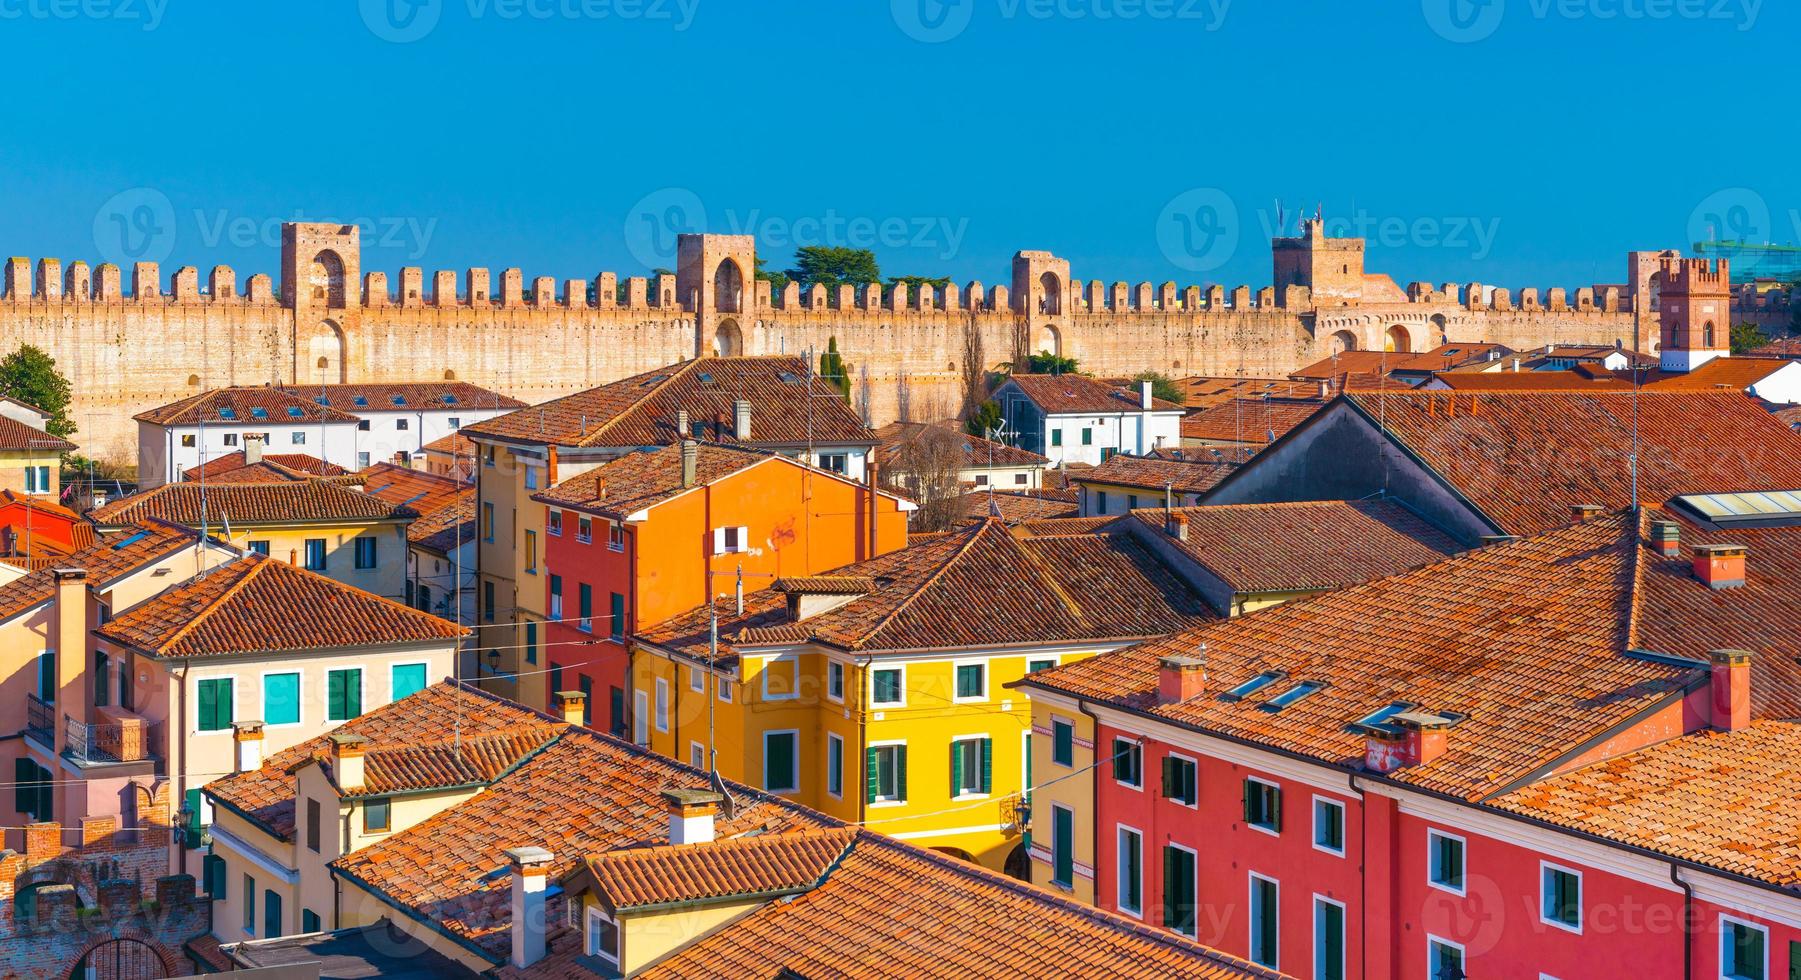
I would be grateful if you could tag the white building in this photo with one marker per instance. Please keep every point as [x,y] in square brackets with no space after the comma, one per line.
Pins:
[1071,419]
[350,426]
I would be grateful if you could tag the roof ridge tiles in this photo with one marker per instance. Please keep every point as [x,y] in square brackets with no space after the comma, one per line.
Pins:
[963,549]
[194,621]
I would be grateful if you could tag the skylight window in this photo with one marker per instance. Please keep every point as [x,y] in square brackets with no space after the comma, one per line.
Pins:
[362,401]
[1767,508]
[1291,695]
[321,399]
[1255,684]
[450,399]
[400,399]
[228,413]
[706,378]
[1380,718]
[789,377]
[293,411]
[259,412]
[128,542]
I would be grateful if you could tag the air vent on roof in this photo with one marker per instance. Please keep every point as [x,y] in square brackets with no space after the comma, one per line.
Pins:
[1254,685]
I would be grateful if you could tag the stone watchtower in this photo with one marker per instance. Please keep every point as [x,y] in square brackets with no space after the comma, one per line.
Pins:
[715,279]
[320,284]
[1331,269]
[1045,301]
[1694,310]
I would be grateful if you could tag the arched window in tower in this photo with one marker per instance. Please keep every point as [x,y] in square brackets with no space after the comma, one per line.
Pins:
[1707,335]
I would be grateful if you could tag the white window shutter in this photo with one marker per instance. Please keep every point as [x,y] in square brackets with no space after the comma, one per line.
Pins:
[744,539]
[719,541]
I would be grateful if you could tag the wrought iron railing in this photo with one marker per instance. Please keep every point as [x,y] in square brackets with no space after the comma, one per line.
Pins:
[40,719]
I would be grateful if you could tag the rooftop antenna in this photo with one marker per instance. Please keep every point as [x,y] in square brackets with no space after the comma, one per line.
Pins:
[1637,381]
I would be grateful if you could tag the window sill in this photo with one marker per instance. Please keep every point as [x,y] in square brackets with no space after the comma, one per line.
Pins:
[887,804]
[1262,829]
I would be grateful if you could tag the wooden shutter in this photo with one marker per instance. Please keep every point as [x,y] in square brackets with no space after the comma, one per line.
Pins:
[334,695]
[900,772]
[1169,887]
[1275,809]
[209,706]
[987,750]
[956,768]
[1249,815]
[24,785]
[869,775]
[719,541]
[1170,784]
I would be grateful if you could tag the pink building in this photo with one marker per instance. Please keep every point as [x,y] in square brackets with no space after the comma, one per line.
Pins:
[1545,758]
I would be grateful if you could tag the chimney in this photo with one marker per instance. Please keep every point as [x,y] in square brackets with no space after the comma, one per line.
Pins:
[572,705]
[1582,512]
[681,423]
[690,461]
[347,760]
[71,615]
[550,466]
[1181,678]
[1412,739]
[1177,526]
[253,449]
[531,873]
[1666,537]
[1721,566]
[1731,689]
[248,737]
[691,814]
[741,420]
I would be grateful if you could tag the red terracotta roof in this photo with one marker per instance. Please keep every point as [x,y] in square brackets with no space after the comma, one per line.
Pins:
[766,865]
[787,409]
[1728,373]
[1299,547]
[249,504]
[636,481]
[1249,420]
[1156,473]
[413,396]
[260,605]
[1524,458]
[417,490]
[1074,394]
[1030,505]
[244,406]
[16,436]
[1373,362]
[894,438]
[1539,629]
[446,735]
[1539,381]
[274,468]
[1784,347]
[1447,356]
[133,548]
[1203,393]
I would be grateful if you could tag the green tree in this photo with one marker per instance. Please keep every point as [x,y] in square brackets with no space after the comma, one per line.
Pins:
[833,369]
[30,375]
[1746,338]
[917,283]
[1046,362]
[777,281]
[985,419]
[1163,386]
[832,266]
[622,291]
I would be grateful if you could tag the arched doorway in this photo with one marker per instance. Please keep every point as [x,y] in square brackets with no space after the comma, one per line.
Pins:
[1440,331]
[325,279]
[122,959]
[1048,341]
[1342,341]
[1019,863]
[324,354]
[728,340]
[1051,303]
[728,287]
[1399,341]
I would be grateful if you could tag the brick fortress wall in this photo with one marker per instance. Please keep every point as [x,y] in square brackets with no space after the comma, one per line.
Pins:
[126,350]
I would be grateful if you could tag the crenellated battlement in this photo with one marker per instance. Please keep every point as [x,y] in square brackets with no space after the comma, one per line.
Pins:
[1694,276]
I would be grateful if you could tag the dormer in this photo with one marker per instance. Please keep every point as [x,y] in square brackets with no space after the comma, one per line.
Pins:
[811,595]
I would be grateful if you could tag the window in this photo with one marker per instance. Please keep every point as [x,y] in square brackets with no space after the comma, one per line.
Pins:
[1181,780]
[1128,762]
[584,607]
[488,602]
[1263,805]
[834,766]
[1131,501]
[972,766]
[886,772]
[37,479]
[1444,856]
[584,529]
[697,755]
[1063,742]
[1265,923]
[981,479]
[1087,436]
[885,686]
[309,922]
[378,815]
[231,438]
[556,596]
[297,438]
[102,679]
[662,705]
[343,694]
[1255,684]
[1328,825]
[696,679]
[1021,479]
[362,459]
[730,540]
[249,905]
[972,682]
[602,936]
[315,554]
[1290,696]
[1378,719]
[281,698]
[312,825]
[187,441]
[587,689]
[488,519]
[531,552]
[640,718]
[615,710]
[835,462]
[1130,864]
[531,643]
[781,678]
[1056,437]
[455,422]
[405,679]
[1034,666]
[1443,958]
[1744,951]
[553,523]
[34,791]
[1328,939]
[215,704]
[260,548]
[213,874]
[1063,846]
[1561,893]
[834,680]
[1180,883]
[615,536]
[271,913]
[1100,502]
[365,552]
[616,616]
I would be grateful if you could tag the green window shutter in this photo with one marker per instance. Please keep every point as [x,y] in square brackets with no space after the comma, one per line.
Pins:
[987,750]
[407,679]
[209,707]
[24,785]
[46,810]
[309,921]
[1063,844]
[618,615]
[900,771]
[271,913]
[1169,887]
[1250,814]
[956,768]
[869,774]
[281,699]
[1275,809]
[1333,916]
[1169,777]
[191,801]
[334,695]
[354,693]
[1028,766]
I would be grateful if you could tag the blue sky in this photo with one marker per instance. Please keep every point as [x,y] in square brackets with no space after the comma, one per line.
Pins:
[1516,142]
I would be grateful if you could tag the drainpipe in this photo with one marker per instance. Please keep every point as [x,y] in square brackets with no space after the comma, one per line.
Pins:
[1688,909]
[1094,804]
[1363,878]
[863,738]
[178,743]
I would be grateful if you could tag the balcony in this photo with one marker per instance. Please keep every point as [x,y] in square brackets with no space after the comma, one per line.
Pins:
[120,736]
[40,719]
